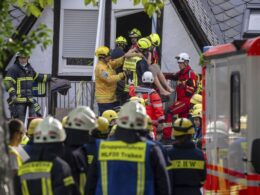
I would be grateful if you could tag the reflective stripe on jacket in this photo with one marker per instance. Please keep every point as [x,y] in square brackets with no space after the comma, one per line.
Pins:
[19,81]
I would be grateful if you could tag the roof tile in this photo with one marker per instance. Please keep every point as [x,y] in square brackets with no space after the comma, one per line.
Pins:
[232,12]
[236,2]
[232,22]
[222,17]
[231,33]
[223,26]
[216,9]
[226,5]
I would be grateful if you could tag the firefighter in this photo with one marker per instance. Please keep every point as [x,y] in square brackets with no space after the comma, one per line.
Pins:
[46,172]
[153,60]
[154,107]
[106,78]
[32,126]
[79,125]
[186,85]
[111,116]
[187,167]
[101,132]
[19,84]
[134,35]
[16,153]
[195,99]
[128,164]
[197,121]
[134,67]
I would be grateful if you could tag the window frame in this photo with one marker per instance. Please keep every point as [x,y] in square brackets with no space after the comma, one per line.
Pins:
[250,33]
[63,68]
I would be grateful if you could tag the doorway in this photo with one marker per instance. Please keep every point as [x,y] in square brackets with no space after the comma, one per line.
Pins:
[139,20]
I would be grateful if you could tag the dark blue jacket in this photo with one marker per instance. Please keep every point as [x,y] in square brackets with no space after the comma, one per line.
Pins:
[187,169]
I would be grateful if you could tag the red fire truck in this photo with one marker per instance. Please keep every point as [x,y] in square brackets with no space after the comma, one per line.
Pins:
[231,117]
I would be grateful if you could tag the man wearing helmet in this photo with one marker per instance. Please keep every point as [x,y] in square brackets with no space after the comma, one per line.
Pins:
[128,164]
[106,78]
[152,60]
[134,35]
[186,85]
[187,167]
[154,107]
[45,172]
[135,67]
[79,126]
[19,81]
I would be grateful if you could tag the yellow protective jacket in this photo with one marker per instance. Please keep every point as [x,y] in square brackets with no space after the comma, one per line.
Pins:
[106,80]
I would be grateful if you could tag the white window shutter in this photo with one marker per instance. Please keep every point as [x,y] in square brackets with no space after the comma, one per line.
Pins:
[79,33]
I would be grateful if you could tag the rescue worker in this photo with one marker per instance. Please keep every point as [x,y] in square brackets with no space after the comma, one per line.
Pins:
[32,126]
[128,164]
[135,67]
[188,166]
[111,116]
[153,60]
[195,99]
[80,123]
[101,132]
[154,107]
[19,84]
[106,78]
[197,121]
[186,85]
[134,35]
[16,153]
[46,172]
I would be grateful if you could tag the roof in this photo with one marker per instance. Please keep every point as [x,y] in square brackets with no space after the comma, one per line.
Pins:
[17,15]
[250,46]
[220,20]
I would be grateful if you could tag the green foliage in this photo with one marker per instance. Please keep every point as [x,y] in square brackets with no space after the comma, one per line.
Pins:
[150,6]
[202,60]
[39,36]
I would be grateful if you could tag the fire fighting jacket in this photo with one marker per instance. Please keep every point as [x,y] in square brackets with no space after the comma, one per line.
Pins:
[127,165]
[45,173]
[187,168]
[186,85]
[19,82]
[154,107]
[106,80]
[135,68]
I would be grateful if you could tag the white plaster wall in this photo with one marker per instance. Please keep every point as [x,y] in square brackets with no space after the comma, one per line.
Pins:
[41,59]
[175,40]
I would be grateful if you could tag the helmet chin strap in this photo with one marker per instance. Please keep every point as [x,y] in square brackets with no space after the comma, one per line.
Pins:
[24,64]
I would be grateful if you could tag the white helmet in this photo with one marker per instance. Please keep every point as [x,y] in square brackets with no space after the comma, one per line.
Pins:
[132,116]
[182,57]
[148,77]
[81,118]
[50,130]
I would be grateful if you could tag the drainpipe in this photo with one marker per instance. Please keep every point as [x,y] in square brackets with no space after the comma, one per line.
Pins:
[102,5]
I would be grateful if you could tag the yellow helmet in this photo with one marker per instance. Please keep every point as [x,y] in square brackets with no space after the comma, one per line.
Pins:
[102,51]
[183,126]
[196,99]
[110,115]
[33,124]
[64,120]
[197,106]
[144,43]
[102,124]
[135,33]
[155,39]
[149,123]
[121,40]
[197,113]
[138,99]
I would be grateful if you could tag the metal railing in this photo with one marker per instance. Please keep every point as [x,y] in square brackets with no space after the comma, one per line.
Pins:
[58,105]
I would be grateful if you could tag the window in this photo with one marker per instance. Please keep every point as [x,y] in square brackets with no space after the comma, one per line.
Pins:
[252,21]
[235,102]
[78,41]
